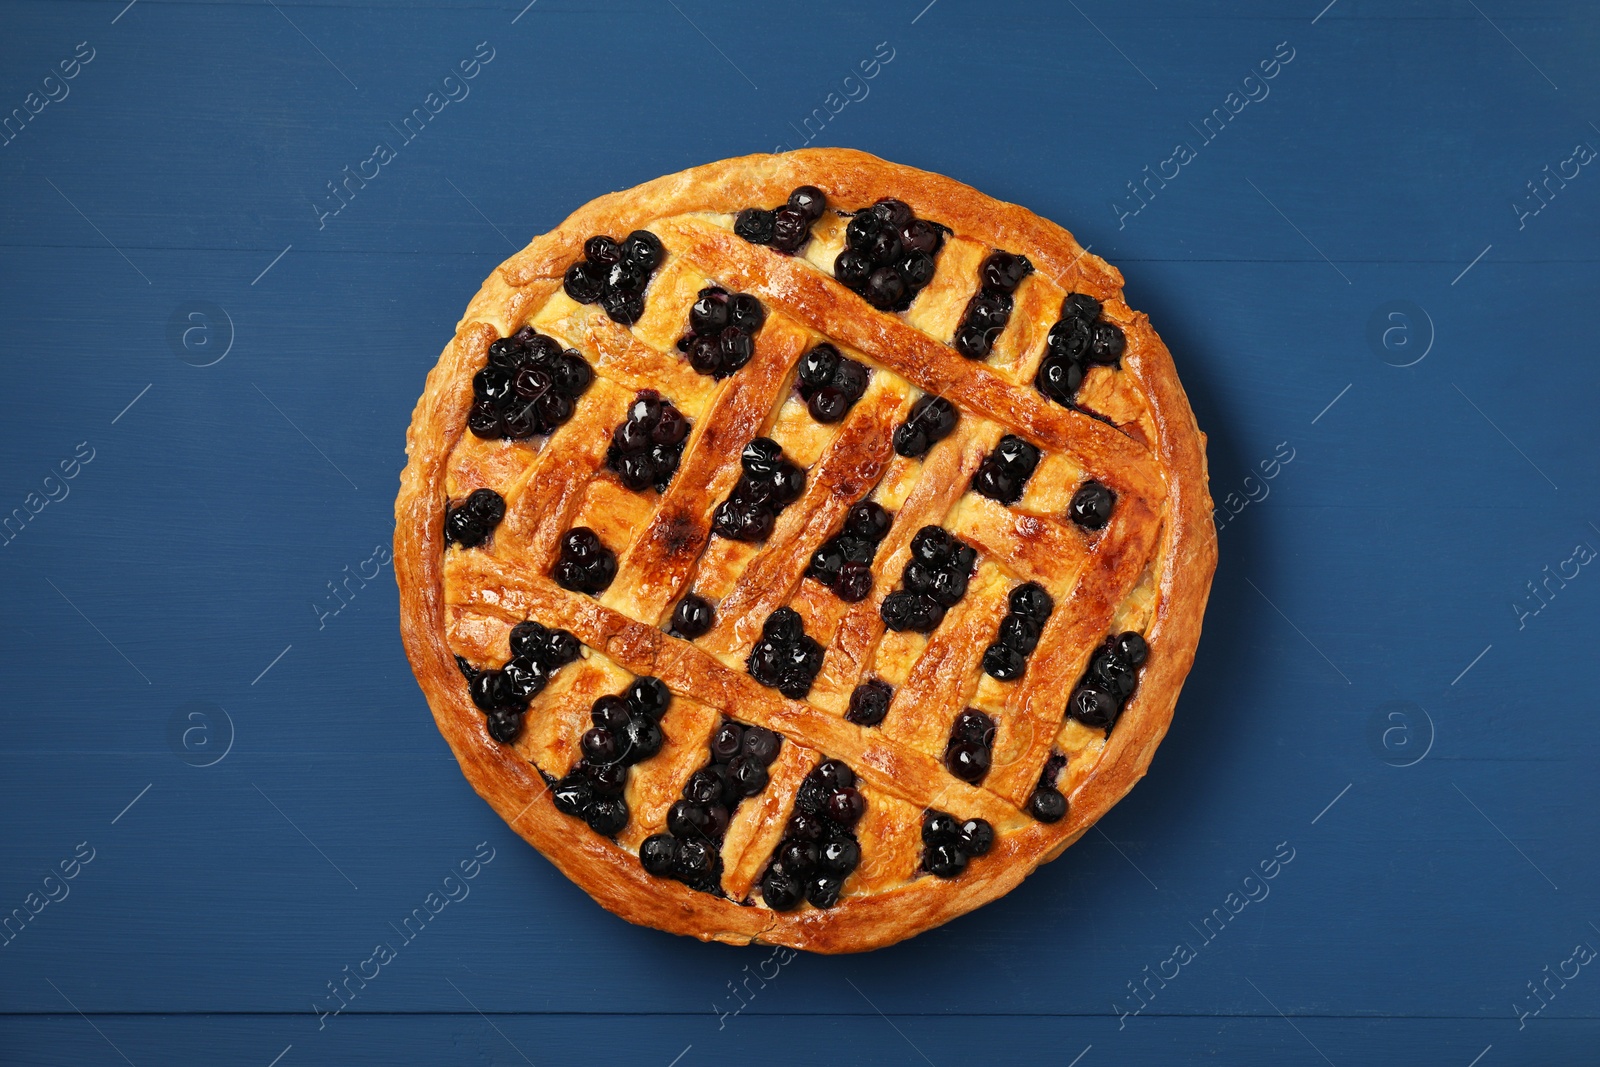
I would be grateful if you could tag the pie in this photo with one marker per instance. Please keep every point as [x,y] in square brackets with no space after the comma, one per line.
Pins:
[802,548]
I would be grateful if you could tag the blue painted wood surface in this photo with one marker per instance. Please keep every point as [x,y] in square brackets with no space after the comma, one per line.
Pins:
[1380,692]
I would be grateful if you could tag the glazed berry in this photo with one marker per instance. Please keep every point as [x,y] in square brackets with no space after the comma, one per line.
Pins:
[1091,506]
[806,826]
[1003,473]
[769,483]
[754,224]
[790,229]
[1070,339]
[607,815]
[944,860]
[1080,306]
[709,312]
[817,366]
[904,611]
[823,891]
[1030,601]
[933,546]
[490,691]
[1108,343]
[649,696]
[937,827]
[504,725]
[930,421]
[922,236]
[1058,379]
[1018,633]
[748,775]
[869,703]
[599,745]
[1004,664]
[809,201]
[967,761]
[977,837]
[854,583]
[643,249]
[846,807]
[834,774]
[470,523]
[1047,804]
[525,677]
[1093,707]
[658,854]
[761,456]
[646,446]
[761,744]
[916,270]
[722,328]
[780,890]
[687,820]
[1132,648]
[560,648]
[885,289]
[973,725]
[695,859]
[868,520]
[584,282]
[641,738]
[585,565]
[602,249]
[572,796]
[1004,271]
[606,779]
[610,713]
[852,269]
[840,856]
[727,742]
[623,305]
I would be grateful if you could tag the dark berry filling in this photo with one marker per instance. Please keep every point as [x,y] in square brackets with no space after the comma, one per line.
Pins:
[934,578]
[1046,803]
[969,751]
[625,732]
[1091,506]
[948,843]
[722,331]
[769,484]
[786,658]
[869,702]
[585,565]
[528,387]
[1109,681]
[830,383]
[693,617]
[502,694]
[931,420]
[470,522]
[990,307]
[690,851]
[1007,658]
[646,446]
[1004,472]
[889,254]
[843,562]
[819,849]
[787,228]
[1079,339]
[616,275]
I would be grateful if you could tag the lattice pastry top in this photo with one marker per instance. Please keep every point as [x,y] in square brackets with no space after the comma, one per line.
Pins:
[802,548]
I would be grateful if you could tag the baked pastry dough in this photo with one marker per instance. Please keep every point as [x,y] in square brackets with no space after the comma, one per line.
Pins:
[1012,455]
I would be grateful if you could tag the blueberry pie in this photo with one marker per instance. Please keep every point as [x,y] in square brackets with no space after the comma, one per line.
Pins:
[802,548]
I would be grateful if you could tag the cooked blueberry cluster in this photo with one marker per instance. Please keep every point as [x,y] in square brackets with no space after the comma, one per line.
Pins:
[1079,339]
[616,273]
[1091,506]
[785,229]
[819,849]
[1046,803]
[1007,658]
[691,849]
[646,446]
[1111,679]
[470,522]
[502,694]
[786,658]
[948,843]
[888,254]
[969,751]
[931,420]
[527,388]
[626,731]
[990,307]
[869,702]
[693,617]
[722,331]
[769,484]
[843,562]
[935,578]
[830,383]
[585,565]
[1004,472]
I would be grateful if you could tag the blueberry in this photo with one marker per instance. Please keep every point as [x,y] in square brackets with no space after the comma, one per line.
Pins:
[610,713]
[607,815]
[817,366]
[788,482]
[916,270]
[917,577]
[823,891]
[859,233]
[737,521]
[885,289]
[933,546]
[850,378]
[989,310]
[560,648]
[1080,306]
[884,249]
[1004,271]
[1132,648]
[504,352]
[643,249]
[736,347]
[633,470]
[1018,632]
[571,375]
[1071,339]
[1004,664]
[1091,506]
[705,356]
[868,521]
[1047,804]
[627,277]
[834,774]
[641,739]
[526,677]
[703,787]
[1059,379]
[572,795]
[623,306]
[949,586]
[1108,343]
[607,779]
[491,691]
[761,744]
[974,726]
[599,745]
[806,826]
[504,725]
[996,483]
[484,419]
[909,611]
[841,856]
[696,859]
[554,409]
[973,342]
[780,891]
[584,282]
[693,617]
[919,235]
[893,213]
[761,456]
[809,201]
[977,837]
[602,249]
[748,775]
[658,854]
[527,639]
[944,860]
[790,229]
[936,415]
[784,626]
[746,312]
[709,312]
[754,224]
[869,703]
[649,696]
[910,441]
[967,761]
[1030,601]
[727,742]
[1016,455]
[939,828]
[463,528]
[1110,673]
[687,820]
[854,583]
[491,383]
[828,405]
[846,806]
[1092,707]
[811,798]
[852,268]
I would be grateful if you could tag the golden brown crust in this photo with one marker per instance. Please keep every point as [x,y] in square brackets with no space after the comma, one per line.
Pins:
[1162,533]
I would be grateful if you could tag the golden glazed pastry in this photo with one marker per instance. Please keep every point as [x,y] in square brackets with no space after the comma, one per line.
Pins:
[802,548]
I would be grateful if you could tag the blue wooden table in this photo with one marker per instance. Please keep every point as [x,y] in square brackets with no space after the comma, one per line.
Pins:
[1368,232]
